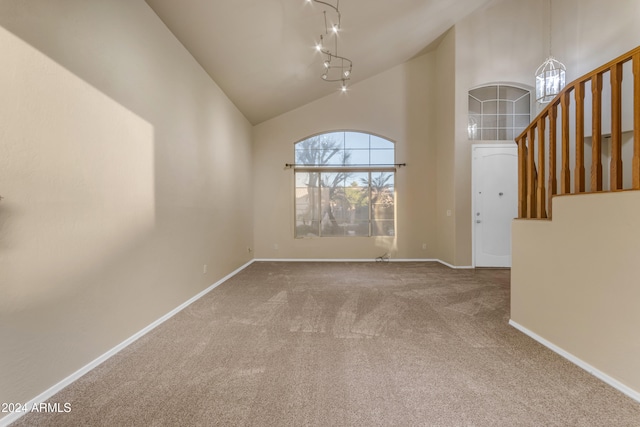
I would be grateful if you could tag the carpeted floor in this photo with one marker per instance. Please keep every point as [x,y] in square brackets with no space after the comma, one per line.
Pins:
[343,344]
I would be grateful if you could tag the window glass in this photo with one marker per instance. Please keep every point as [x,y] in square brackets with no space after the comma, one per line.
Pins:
[498,112]
[382,204]
[358,200]
[358,157]
[475,106]
[377,142]
[307,202]
[382,157]
[356,140]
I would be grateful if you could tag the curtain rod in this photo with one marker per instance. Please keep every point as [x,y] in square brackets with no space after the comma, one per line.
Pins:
[296,165]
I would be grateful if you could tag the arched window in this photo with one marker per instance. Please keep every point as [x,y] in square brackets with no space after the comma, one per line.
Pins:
[498,112]
[344,185]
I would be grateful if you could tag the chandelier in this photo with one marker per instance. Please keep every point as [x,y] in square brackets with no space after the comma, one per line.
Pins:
[550,76]
[335,67]
[550,79]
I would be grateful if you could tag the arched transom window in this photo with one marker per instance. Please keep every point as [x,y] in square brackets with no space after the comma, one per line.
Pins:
[344,185]
[498,112]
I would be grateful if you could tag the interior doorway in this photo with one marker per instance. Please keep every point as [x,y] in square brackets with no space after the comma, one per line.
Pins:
[494,202]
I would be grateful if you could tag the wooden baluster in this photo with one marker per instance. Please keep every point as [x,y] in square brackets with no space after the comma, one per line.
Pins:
[534,195]
[531,175]
[552,187]
[522,176]
[541,197]
[616,127]
[565,172]
[579,183]
[636,122]
[596,133]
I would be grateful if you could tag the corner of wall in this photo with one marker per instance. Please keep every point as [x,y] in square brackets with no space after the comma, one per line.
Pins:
[445,147]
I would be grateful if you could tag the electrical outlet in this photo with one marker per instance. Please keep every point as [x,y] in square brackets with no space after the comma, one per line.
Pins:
[424,246]
[448,212]
[204,269]
[275,246]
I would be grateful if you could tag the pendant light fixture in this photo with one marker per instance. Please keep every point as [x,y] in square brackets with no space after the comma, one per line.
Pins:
[335,68]
[550,76]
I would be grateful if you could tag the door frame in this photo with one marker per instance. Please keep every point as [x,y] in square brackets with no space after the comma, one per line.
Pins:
[506,144]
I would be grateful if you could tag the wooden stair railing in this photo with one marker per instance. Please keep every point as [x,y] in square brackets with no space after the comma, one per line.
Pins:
[534,192]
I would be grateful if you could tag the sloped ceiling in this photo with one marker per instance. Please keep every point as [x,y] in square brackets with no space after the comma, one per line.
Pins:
[261,52]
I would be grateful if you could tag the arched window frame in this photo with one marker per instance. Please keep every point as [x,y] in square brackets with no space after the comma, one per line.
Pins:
[344,185]
[498,111]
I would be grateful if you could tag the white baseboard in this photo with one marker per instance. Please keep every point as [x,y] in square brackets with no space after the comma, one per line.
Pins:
[313,260]
[456,267]
[344,260]
[635,395]
[361,260]
[44,396]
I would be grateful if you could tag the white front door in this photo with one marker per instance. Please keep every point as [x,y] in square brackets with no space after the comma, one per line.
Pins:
[495,202]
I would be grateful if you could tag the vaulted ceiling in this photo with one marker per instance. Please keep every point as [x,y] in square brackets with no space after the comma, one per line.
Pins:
[262,52]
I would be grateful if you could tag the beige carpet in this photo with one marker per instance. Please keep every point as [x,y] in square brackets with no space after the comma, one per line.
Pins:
[343,344]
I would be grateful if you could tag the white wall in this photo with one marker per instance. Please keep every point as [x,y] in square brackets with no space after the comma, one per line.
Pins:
[124,169]
[574,281]
[594,33]
[497,44]
[589,33]
[445,62]
[398,105]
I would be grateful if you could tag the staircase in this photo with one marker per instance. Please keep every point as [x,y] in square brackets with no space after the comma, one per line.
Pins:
[608,99]
[574,280]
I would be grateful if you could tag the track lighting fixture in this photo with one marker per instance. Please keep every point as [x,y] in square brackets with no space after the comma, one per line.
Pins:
[336,68]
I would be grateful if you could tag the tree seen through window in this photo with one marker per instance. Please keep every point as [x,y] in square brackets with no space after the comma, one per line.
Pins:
[344,185]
